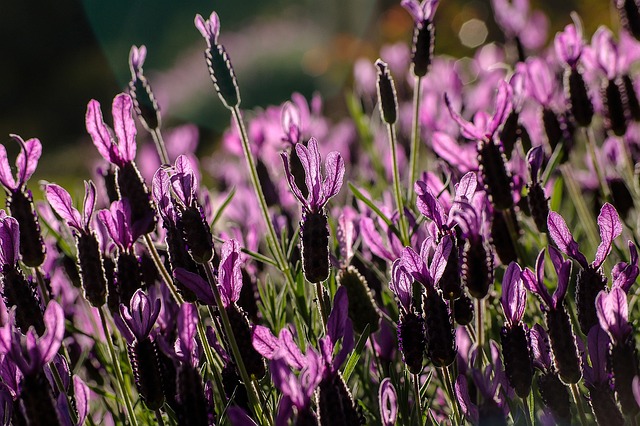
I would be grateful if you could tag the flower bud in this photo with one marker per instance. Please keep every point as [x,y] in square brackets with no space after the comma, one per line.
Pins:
[314,237]
[132,186]
[613,101]
[20,206]
[362,309]
[623,362]
[588,284]
[223,76]
[463,310]
[439,331]
[411,340]
[146,372]
[477,267]
[518,357]
[604,405]
[538,205]
[92,273]
[196,233]
[253,361]
[495,177]
[190,396]
[387,99]
[22,294]
[335,404]
[128,278]
[422,48]
[501,237]
[555,395]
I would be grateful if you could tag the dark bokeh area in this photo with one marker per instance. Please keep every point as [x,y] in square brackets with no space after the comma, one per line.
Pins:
[59,55]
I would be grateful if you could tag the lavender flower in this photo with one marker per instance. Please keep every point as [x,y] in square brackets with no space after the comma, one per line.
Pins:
[590,280]
[20,199]
[144,101]
[536,198]
[423,34]
[314,235]
[388,402]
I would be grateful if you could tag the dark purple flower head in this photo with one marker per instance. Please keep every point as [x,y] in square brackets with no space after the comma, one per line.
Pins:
[346,237]
[415,264]
[320,191]
[541,348]
[610,228]
[161,191]
[484,126]
[421,11]
[514,295]
[184,181]
[26,163]
[230,272]
[30,353]
[535,283]
[569,43]
[624,274]
[141,316]
[598,344]
[613,314]
[210,29]
[117,220]
[137,55]
[9,239]
[291,123]
[388,402]
[60,201]
[120,149]
[535,157]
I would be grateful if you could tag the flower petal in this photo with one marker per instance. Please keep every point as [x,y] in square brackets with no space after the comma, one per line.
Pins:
[124,126]
[429,205]
[338,316]
[6,175]
[28,157]
[292,181]
[198,285]
[440,258]
[334,169]
[264,341]
[100,133]
[310,159]
[388,402]
[469,130]
[610,229]
[564,240]
[89,204]
[229,272]
[81,394]
[50,342]
[514,296]
[61,203]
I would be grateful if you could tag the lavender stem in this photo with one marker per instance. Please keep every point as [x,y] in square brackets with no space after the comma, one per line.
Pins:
[160,146]
[415,139]
[396,185]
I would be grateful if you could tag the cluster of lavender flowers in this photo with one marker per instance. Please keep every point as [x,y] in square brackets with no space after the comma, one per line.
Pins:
[404,302]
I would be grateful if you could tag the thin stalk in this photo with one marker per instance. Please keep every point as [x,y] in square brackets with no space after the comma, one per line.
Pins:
[581,208]
[381,373]
[416,391]
[415,139]
[527,411]
[591,146]
[391,130]
[116,366]
[452,397]
[321,306]
[251,391]
[479,331]
[159,418]
[160,146]
[578,399]
[272,237]
[166,276]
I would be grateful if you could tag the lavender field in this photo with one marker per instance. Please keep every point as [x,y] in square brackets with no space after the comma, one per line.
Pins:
[454,242]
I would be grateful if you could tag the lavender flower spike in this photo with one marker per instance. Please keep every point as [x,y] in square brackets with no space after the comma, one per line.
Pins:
[141,315]
[230,273]
[514,296]
[420,11]
[60,201]
[613,314]
[26,163]
[388,401]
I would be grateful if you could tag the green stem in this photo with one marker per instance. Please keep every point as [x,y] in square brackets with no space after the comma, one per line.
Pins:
[251,391]
[61,388]
[479,332]
[581,208]
[116,367]
[42,285]
[527,411]
[452,397]
[591,146]
[159,418]
[166,276]
[578,399]
[272,238]
[396,185]
[160,146]
[415,138]
[321,306]
[416,391]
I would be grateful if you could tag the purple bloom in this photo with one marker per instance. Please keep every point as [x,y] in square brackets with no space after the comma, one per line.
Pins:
[195,283]
[186,346]
[569,43]
[210,29]
[624,274]
[137,55]
[320,191]
[60,201]
[120,149]
[117,220]
[291,123]
[514,296]
[141,315]
[535,283]
[26,163]
[9,239]
[541,349]
[613,313]
[421,12]
[230,272]
[388,402]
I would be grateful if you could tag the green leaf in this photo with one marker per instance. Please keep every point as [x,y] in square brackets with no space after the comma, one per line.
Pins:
[556,195]
[355,355]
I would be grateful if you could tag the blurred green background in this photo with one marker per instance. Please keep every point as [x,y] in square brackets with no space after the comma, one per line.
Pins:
[59,55]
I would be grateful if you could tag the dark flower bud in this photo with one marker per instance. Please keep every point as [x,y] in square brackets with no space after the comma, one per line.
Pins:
[17,418]
[538,205]
[578,97]
[306,417]
[190,396]
[297,170]
[179,258]
[128,278]
[145,365]
[362,308]
[169,383]
[113,293]
[555,395]
[477,267]
[629,16]
[38,402]
[463,310]
[335,404]
[22,294]
[501,238]
[373,281]
[314,237]
[552,128]
[132,186]
[563,344]
[20,206]
[70,268]
[613,102]
[387,99]
[518,357]
[149,271]
[604,405]
[196,233]
[269,189]
[92,273]
[144,103]
[223,76]
[253,361]
[439,332]
[588,284]
[495,177]
[451,281]
[233,387]
[422,48]
[510,133]
[411,340]
[624,366]
[110,183]
[632,105]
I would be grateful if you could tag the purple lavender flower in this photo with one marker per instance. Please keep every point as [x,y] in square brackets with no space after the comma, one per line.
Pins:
[423,34]
[536,198]
[528,30]
[388,402]
[590,280]
[121,152]
[314,235]
[144,101]
[624,274]
[516,342]
[20,199]
[492,409]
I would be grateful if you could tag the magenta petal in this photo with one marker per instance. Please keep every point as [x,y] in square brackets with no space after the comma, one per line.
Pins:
[290,350]
[334,168]
[613,313]
[513,294]
[310,159]
[210,29]
[429,205]
[373,239]
[440,258]
[28,157]
[339,315]
[6,176]
[291,180]
[264,341]
[9,240]
[124,126]
[388,402]
[535,283]
[61,203]
[99,132]
[466,187]
[81,394]
[50,342]
[291,122]
[229,272]
[196,284]
[535,157]
[540,81]
[161,191]
[541,348]
[414,264]
[239,417]
[469,409]
[401,285]
[415,10]
[503,106]
[184,180]
[610,229]
[564,240]
[468,130]
[137,55]
[89,204]
[624,275]
[187,331]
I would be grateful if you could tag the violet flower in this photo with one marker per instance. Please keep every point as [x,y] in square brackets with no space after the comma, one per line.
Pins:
[624,274]
[516,342]
[536,198]
[492,409]
[423,34]
[20,199]
[314,235]
[388,402]
[590,280]
[144,101]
